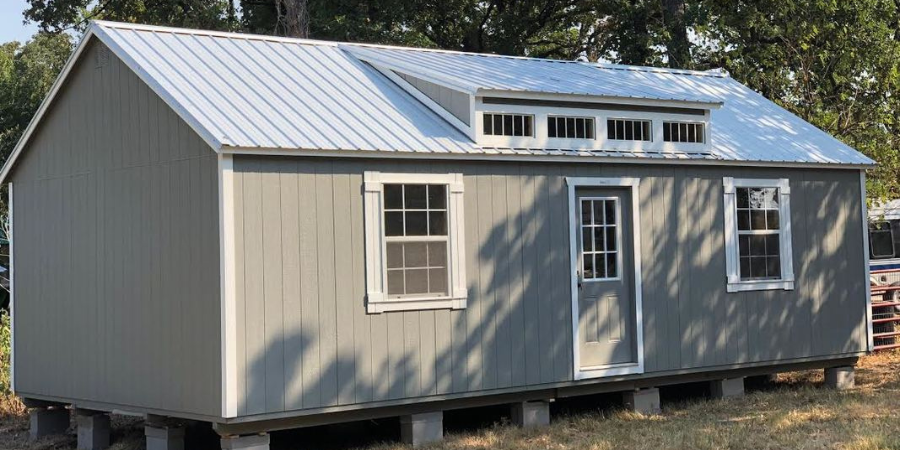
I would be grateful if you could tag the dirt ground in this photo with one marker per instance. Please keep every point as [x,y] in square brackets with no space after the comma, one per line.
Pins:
[796,412]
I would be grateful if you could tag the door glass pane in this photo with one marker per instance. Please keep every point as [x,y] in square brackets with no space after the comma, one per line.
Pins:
[598,212]
[600,265]
[610,212]
[588,266]
[611,265]
[599,239]
[611,239]
[586,212]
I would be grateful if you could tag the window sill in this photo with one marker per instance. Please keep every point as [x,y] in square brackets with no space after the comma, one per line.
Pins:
[414,304]
[765,285]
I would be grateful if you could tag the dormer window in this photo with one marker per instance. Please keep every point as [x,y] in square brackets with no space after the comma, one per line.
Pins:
[496,124]
[628,130]
[687,132]
[570,127]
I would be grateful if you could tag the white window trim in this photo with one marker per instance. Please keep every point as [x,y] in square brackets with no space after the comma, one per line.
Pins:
[376,276]
[732,259]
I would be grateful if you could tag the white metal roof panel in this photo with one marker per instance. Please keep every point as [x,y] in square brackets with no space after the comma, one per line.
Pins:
[473,72]
[282,94]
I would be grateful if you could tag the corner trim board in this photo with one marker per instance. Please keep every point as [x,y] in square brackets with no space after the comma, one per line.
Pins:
[617,369]
[870,339]
[12,294]
[227,280]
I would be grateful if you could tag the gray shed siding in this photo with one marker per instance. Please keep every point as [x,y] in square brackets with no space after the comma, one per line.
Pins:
[305,341]
[117,250]
[455,102]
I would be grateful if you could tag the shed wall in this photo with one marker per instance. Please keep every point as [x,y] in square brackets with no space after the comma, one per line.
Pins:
[305,340]
[455,102]
[117,250]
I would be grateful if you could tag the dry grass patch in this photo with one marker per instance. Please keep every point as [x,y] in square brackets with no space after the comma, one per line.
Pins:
[798,414]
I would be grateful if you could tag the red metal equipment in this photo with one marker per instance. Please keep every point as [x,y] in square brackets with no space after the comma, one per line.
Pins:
[885,310]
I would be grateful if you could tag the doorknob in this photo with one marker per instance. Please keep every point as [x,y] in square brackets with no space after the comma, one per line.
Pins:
[578,274]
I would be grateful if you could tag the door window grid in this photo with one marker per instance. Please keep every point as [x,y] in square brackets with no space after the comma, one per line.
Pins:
[599,239]
[416,240]
[759,233]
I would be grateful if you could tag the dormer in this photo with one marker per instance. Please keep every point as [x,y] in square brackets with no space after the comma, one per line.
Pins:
[505,102]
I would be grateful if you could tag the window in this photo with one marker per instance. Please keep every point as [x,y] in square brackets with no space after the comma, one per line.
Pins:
[570,127]
[881,240]
[758,235]
[688,132]
[599,238]
[508,124]
[414,242]
[628,130]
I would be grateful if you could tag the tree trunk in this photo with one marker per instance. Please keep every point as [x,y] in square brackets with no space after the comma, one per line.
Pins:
[678,48]
[293,18]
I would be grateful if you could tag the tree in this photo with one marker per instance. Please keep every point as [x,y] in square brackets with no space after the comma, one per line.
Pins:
[834,63]
[62,15]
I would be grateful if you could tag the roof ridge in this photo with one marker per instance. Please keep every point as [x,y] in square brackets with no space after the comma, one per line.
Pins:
[211,33]
[715,73]
[262,37]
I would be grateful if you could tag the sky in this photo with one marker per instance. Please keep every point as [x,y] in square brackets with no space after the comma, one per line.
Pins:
[11,27]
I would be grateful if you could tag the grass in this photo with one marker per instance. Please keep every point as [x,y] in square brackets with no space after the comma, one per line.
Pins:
[795,413]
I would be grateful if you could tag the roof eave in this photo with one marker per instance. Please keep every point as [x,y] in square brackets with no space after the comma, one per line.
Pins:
[513,156]
[681,103]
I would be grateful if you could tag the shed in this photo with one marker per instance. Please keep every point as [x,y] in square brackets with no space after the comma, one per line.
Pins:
[267,233]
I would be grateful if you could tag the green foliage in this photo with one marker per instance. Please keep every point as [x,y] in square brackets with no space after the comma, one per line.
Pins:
[834,63]
[60,15]
[26,74]
[5,353]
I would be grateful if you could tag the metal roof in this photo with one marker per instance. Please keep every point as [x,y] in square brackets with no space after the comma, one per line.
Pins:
[476,73]
[747,127]
[248,93]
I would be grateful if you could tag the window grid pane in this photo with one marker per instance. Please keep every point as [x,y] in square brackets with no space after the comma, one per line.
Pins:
[759,232]
[495,124]
[628,130]
[599,247]
[687,132]
[416,267]
[570,127]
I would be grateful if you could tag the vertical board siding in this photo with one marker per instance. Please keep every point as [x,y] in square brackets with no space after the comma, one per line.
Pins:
[117,250]
[516,330]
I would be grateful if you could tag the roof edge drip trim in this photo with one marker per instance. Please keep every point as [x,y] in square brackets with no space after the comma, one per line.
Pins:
[492,154]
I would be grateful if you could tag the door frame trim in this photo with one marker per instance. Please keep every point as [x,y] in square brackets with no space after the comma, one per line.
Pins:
[613,369]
